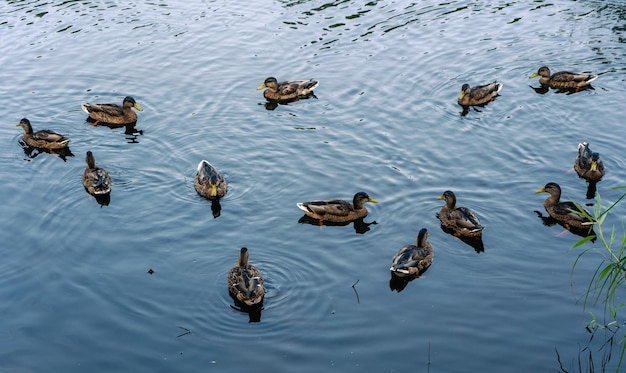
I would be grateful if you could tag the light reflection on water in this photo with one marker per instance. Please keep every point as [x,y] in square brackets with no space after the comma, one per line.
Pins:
[75,284]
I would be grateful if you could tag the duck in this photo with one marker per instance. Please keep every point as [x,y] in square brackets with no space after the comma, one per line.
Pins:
[563,79]
[287,90]
[479,95]
[461,220]
[588,164]
[209,182]
[44,139]
[413,260]
[96,180]
[337,210]
[113,113]
[565,212]
[245,283]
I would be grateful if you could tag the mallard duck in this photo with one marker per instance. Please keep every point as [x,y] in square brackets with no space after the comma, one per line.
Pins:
[113,113]
[96,180]
[412,260]
[209,182]
[461,220]
[564,212]
[337,210]
[245,282]
[563,79]
[588,164]
[287,90]
[479,95]
[46,139]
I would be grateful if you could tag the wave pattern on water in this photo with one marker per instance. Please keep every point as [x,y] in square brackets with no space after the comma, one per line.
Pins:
[75,284]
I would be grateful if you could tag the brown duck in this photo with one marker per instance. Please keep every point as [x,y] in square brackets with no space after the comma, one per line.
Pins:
[46,139]
[287,90]
[413,260]
[461,220]
[563,79]
[113,113]
[479,95]
[96,180]
[565,212]
[245,282]
[337,210]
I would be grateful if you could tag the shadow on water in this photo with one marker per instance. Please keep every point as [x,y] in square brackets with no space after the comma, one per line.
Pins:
[398,283]
[475,242]
[591,189]
[549,221]
[360,226]
[543,89]
[254,312]
[32,152]
[216,208]
[476,108]
[102,199]
[130,130]
[273,104]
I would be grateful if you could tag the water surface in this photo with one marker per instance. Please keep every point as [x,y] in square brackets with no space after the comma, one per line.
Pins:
[75,290]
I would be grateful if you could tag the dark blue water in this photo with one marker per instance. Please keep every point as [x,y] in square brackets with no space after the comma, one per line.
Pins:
[75,292]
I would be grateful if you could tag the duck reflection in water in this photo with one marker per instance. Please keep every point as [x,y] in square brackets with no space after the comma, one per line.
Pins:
[32,152]
[272,104]
[397,283]
[254,312]
[360,226]
[549,221]
[475,242]
[130,129]
[103,199]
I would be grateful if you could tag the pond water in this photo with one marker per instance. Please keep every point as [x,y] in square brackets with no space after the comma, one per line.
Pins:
[75,289]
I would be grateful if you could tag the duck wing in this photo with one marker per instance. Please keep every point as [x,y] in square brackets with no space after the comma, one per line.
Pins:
[50,136]
[334,207]
[465,218]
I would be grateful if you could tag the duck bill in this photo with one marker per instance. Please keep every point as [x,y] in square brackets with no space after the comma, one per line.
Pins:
[136,106]
[461,95]
[213,190]
[534,75]
[262,86]
[542,190]
[372,200]
[594,166]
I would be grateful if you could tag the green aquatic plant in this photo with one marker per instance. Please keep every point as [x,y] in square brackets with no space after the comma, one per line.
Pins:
[608,278]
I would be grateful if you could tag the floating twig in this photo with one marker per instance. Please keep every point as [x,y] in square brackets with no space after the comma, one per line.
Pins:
[187,331]
[428,370]
[355,292]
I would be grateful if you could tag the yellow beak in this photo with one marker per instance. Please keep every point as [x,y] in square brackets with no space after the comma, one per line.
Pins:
[262,86]
[136,106]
